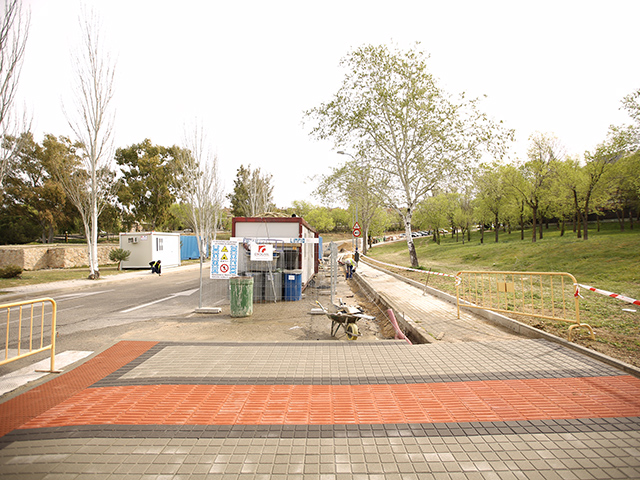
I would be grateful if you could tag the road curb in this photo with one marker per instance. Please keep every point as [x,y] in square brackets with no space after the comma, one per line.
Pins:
[40,289]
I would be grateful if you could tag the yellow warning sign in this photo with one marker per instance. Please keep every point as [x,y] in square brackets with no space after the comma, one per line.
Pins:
[224,249]
[224,257]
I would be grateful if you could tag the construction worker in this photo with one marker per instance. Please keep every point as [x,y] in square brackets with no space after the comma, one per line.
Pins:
[156,267]
[351,267]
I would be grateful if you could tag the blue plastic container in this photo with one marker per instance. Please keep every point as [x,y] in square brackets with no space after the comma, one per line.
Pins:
[292,285]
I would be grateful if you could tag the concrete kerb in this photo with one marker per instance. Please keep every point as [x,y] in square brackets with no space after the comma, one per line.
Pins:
[14,292]
[496,318]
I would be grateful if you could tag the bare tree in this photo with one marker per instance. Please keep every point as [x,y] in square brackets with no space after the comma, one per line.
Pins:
[201,190]
[92,124]
[14,32]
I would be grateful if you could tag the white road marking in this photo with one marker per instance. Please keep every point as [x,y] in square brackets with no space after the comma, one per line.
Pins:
[186,293]
[71,296]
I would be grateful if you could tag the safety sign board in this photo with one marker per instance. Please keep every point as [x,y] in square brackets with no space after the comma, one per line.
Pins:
[356,230]
[224,259]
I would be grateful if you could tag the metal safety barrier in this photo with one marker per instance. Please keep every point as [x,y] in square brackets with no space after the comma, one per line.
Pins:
[28,327]
[547,295]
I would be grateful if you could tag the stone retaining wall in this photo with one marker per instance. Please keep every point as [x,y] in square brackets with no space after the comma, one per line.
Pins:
[39,257]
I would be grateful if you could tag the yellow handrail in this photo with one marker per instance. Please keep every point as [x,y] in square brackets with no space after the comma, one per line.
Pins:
[9,338]
[544,295]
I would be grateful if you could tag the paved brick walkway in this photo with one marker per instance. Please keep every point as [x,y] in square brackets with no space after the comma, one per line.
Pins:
[509,409]
[430,317]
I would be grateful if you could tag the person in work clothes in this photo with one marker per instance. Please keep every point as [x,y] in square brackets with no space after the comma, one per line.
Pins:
[351,267]
[156,267]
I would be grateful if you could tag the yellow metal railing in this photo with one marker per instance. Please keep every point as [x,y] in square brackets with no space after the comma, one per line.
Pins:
[20,333]
[547,295]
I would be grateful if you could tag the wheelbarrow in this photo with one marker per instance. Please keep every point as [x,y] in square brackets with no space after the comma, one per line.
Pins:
[345,318]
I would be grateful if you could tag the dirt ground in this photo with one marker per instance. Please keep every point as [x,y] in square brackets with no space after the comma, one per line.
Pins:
[272,322]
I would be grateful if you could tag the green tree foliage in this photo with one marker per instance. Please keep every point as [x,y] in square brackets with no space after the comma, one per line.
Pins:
[320,219]
[491,195]
[352,183]
[148,186]
[532,180]
[341,219]
[391,111]
[300,208]
[33,192]
[252,193]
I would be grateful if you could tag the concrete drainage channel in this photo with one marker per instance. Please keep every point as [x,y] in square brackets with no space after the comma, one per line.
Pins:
[418,335]
[408,326]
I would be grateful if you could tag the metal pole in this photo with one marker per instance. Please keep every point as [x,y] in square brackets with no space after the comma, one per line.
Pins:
[333,258]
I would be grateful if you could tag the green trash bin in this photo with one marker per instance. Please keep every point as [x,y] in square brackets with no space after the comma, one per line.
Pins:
[241,296]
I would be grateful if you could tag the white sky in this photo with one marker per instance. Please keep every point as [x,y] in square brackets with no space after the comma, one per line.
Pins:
[247,70]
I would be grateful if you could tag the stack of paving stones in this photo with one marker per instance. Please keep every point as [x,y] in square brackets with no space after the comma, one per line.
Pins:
[519,409]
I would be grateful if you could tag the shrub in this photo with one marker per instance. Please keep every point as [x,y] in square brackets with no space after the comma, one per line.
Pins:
[11,271]
[119,255]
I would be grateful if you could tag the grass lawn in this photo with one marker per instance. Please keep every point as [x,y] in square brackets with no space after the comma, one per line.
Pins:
[609,260]
[33,277]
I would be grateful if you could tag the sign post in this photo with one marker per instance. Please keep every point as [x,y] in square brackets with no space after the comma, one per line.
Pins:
[356,232]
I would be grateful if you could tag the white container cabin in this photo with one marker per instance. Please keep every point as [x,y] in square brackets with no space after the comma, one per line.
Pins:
[148,247]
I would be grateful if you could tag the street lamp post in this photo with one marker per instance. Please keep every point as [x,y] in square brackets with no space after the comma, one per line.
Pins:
[340,152]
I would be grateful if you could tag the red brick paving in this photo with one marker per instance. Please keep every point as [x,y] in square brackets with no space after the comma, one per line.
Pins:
[16,411]
[475,401]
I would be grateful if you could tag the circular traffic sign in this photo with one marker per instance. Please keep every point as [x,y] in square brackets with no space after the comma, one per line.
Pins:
[356,232]
[224,267]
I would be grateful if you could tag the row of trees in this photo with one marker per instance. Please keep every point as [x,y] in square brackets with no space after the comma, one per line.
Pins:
[547,186]
[66,181]
[412,142]
[149,186]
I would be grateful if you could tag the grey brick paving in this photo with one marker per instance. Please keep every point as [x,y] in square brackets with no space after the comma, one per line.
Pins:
[384,362]
[416,457]
[551,450]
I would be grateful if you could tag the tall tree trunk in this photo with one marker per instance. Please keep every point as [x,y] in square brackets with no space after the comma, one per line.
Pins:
[586,218]
[562,228]
[534,227]
[620,219]
[412,248]
[495,221]
[481,233]
[541,227]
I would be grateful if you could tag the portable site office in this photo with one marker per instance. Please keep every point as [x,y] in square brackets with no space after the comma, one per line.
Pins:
[147,247]
[295,245]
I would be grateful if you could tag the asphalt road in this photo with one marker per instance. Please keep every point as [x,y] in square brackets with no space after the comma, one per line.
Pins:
[93,315]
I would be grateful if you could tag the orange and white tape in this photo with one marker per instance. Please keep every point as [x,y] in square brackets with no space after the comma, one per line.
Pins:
[608,294]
